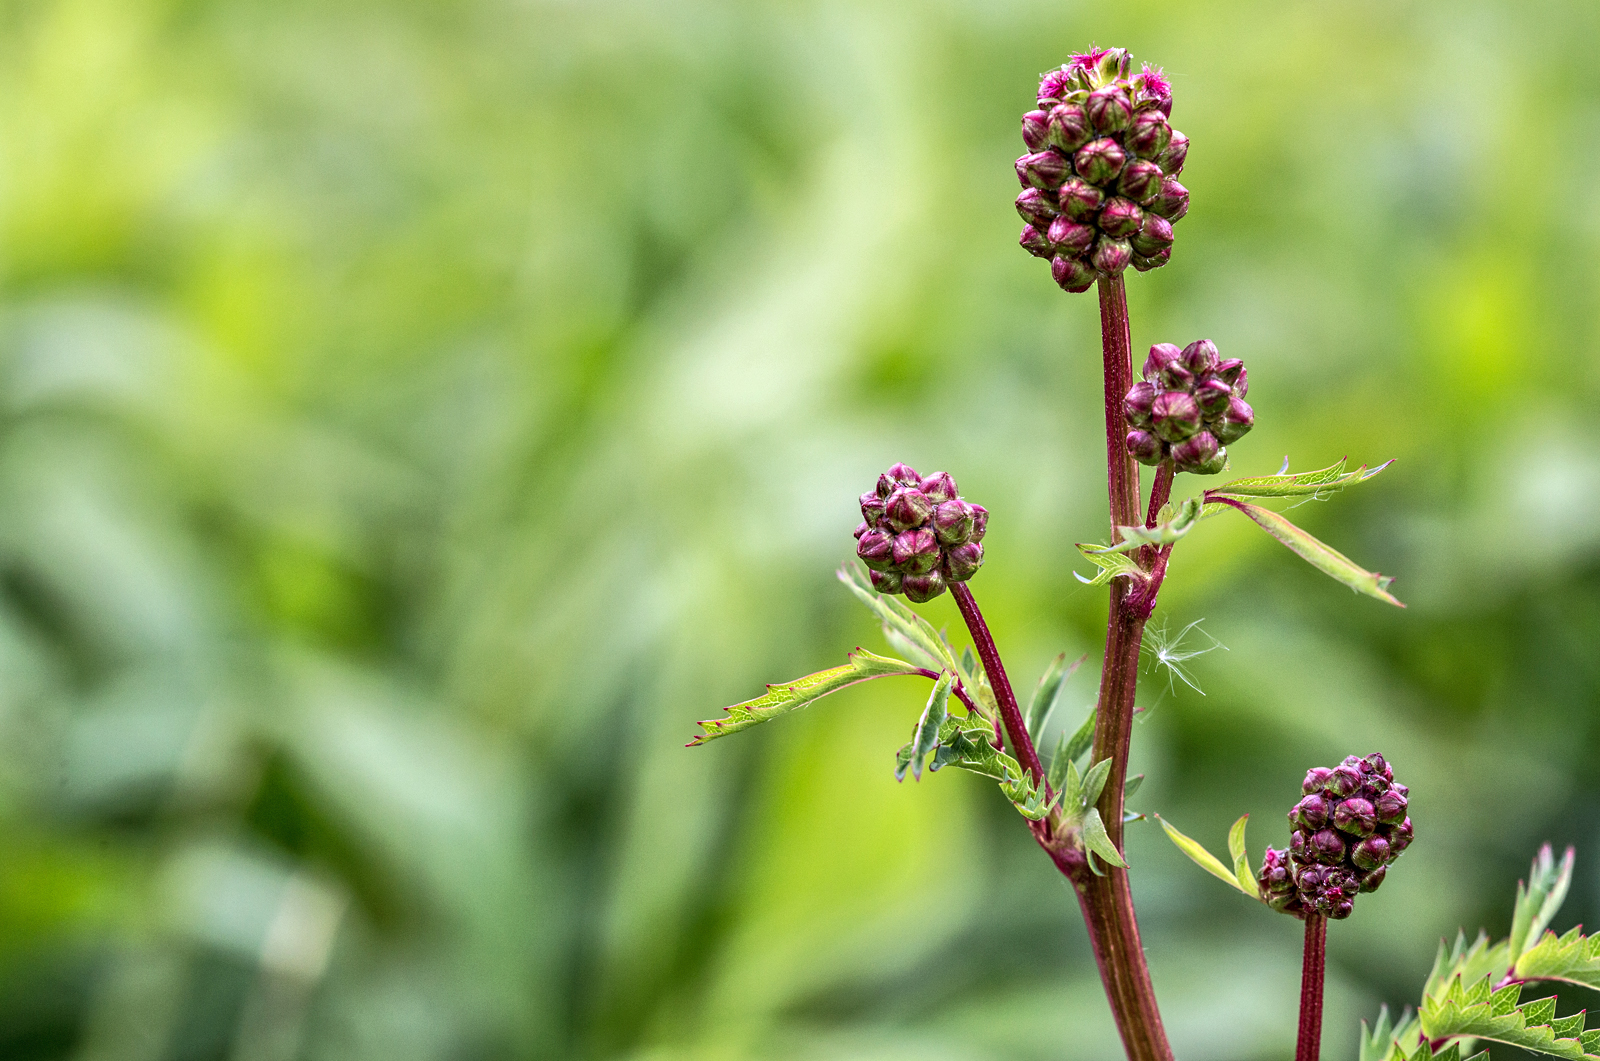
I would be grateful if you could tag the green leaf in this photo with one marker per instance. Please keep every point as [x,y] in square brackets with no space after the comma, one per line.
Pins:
[1540,898]
[1469,963]
[790,696]
[1072,789]
[965,742]
[1111,565]
[1573,958]
[1060,762]
[1098,841]
[1321,482]
[1027,795]
[905,628]
[1386,1042]
[1241,856]
[1164,533]
[1206,860]
[1047,694]
[1131,786]
[1323,557]
[1094,782]
[1081,739]
[1481,1012]
[926,736]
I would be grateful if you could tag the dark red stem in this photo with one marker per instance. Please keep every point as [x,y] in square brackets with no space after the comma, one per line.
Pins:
[1010,715]
[1122,474]
[1160,493]
[958,688]
[1311,973]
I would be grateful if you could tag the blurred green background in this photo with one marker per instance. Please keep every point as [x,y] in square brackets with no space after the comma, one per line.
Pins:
[416,415]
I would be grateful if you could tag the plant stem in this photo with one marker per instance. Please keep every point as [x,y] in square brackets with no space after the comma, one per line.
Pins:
[1160,492]
[1010,715]
[1311,974]
[1106,901]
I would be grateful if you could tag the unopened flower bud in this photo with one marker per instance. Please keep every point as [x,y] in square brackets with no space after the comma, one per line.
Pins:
[1213,395]
[901,473]
[963,561]
[1390,807]
[1343,781]
[861,528]
[1080,200]
[1109,109]
[1316,779]
[1035,243]
[1111,256]
[1136,405]
[1174,415]
[1098,161]
[1214,466]
[907,507]
[1145,447]
[1037,207]
[1236,423]
[1070,238]
[916,552]
[1121,218]
[952,522]
[876,550]
[1356,817]
[1072,274]
[940,487]
[1144,263]
[1370,882]
[1161,355]
[1053,85]
[1195,452]
[886,581]
[1326,847]
[1200,356]
[1154,236]
[1371,853]
[871,506]
[980,521]
[1379,766]
[1043,169]
[1310,813]
[1228,371]
[1177,150]
[1140,181]
[1033,130]
[1171,202]
[1068,127]
[923,588]
[1148,135]
[1400,837]
[1275,882]
[1299,848]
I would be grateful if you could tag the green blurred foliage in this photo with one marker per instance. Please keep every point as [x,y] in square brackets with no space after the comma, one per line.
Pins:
[415,416]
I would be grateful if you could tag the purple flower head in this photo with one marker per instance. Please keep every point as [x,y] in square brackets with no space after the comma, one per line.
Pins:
[918,535]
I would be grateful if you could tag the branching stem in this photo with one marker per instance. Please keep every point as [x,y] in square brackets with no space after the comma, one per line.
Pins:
[1010,714]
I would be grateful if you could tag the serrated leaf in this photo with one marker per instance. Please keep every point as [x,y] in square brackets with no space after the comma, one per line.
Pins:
[900,623]
[1082,738]
[1480,1012]
[1472,963]
[1323,481]
[1205,859]
[902,761]
[1539,898]
[1047,694]
[1098,841]
[965,742]
[1094,782]
[1173,525]
[791,696]
[1320,555]
[1026,794]
[1111,565]
[926,736]
[1384,1042]
[1573,958]
[1241,856]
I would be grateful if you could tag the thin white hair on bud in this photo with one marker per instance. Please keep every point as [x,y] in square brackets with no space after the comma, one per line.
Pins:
[1165,650]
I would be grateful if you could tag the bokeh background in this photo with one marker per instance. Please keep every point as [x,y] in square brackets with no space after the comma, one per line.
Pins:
[414,416]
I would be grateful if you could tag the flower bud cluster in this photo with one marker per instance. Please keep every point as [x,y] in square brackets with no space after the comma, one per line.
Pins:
[1350,826]
[1189,407]
[917,535]
[1100,179]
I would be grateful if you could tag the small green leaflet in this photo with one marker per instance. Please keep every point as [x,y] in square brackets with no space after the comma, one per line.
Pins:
[1540,898]
[1081,739]
[1048,694]
[1383,1041]
[1098,841]
[1161,534]
[1241,857]
[1323,557]
[1462,962]
[1111,565]
[790,696]
[1481,1012]
[907,630]
[1573,958]
[966,742]
[1211,863]
[1323,481]
[926,736]
[1131,786]
[1031,799]
[1060,764]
